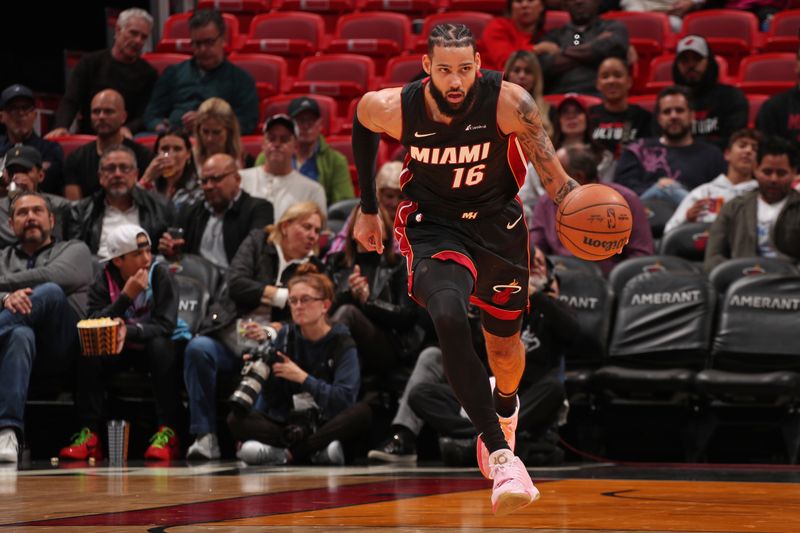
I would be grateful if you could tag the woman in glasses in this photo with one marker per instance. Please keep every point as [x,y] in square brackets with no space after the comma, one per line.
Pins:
[256,296]
[307,408]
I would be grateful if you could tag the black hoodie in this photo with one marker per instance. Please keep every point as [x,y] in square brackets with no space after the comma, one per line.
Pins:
[719,109]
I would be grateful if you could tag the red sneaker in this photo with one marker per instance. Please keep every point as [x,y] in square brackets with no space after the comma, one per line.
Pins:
[163,445]
[84,445]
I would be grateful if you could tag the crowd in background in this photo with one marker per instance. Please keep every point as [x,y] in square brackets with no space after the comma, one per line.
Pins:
[96,234]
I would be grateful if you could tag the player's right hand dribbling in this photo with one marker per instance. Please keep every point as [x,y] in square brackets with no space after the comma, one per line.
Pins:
[368,231]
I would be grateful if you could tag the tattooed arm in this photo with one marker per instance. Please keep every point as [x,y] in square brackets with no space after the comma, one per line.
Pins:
[517,113]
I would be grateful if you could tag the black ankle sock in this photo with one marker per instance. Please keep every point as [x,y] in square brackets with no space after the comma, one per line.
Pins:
[505,405]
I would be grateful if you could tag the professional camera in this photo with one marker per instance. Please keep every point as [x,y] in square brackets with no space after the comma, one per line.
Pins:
[301,425]
[255,373]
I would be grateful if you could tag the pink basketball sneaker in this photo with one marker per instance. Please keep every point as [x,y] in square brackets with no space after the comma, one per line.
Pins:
[509,427]
[512,488]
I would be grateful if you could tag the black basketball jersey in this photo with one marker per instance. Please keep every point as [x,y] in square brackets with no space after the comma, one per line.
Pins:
[468,169]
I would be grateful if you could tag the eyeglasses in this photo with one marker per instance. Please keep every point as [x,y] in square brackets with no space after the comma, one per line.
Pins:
[304,300]
[214,179]
[124,168]
[204,43]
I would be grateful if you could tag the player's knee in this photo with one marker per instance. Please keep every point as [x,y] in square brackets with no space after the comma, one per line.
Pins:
[447,305]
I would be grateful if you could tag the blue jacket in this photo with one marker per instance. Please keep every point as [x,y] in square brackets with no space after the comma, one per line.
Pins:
[332,381]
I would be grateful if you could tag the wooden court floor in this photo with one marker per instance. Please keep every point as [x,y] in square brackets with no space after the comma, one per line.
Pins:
[228,497]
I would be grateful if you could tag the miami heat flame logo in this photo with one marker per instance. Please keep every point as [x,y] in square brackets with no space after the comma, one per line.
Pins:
[502,293]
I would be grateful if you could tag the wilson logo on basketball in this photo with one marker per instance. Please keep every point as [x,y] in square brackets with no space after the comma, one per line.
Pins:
[605,245]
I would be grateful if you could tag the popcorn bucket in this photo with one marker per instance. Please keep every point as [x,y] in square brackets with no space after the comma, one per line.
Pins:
[98,337]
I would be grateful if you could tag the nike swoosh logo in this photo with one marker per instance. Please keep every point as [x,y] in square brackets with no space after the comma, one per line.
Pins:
[418,134]
[512,224]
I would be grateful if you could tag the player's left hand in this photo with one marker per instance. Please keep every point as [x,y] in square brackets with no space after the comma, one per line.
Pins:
[368,231]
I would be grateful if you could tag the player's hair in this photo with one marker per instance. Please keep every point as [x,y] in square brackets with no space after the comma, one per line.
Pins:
[451,36]
[777,146]
[126,16]
[674,90]
[25,194]
[745,133]
[203,17]
[307,273]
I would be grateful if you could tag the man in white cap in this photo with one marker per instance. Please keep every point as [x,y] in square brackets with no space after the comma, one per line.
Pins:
[719,109]
[143,297]
[43,288]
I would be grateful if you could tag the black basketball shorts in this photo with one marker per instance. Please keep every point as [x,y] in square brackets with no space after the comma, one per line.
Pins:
[494,250]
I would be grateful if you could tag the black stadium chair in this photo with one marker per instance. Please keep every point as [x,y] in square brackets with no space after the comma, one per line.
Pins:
[687,241]
[574,264]
[658,214]
[726,273]
[754,375]
[200,269]
[338,213]
[634,266]
[193,301]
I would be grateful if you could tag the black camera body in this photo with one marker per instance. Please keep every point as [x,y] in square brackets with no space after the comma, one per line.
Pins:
[255,373]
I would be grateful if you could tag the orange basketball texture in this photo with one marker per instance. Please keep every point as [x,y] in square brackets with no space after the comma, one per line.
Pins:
[594,222]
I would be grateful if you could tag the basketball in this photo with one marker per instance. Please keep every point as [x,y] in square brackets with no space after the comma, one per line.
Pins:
[594,222]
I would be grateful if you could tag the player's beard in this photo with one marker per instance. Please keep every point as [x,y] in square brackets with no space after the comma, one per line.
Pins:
[446,108]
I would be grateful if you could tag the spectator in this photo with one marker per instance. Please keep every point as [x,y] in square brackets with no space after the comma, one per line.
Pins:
[703,203]
[276,181]
[616,122]
[371,299]
[675,9]
[319,361]
[118,202]
[570,55]
[18,113]
[256,291]
[387,183]
[780,114]
[314,158]
[171,174]
[216,227]
[719,109]
[39,280]
[216,130]
[670,165]
[745,226]
[523,68]
[120,68]
[580,164]
[546,333]
[572,129]
[81,168]
[518,29]
[182,87]
[143,298]
[24,170]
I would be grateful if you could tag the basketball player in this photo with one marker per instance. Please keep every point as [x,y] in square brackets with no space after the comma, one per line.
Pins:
[468,135]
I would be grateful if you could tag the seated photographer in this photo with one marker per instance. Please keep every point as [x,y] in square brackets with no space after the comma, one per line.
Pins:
[255,290]
[372,301]
[307,407]
[547,330]
[143,298]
